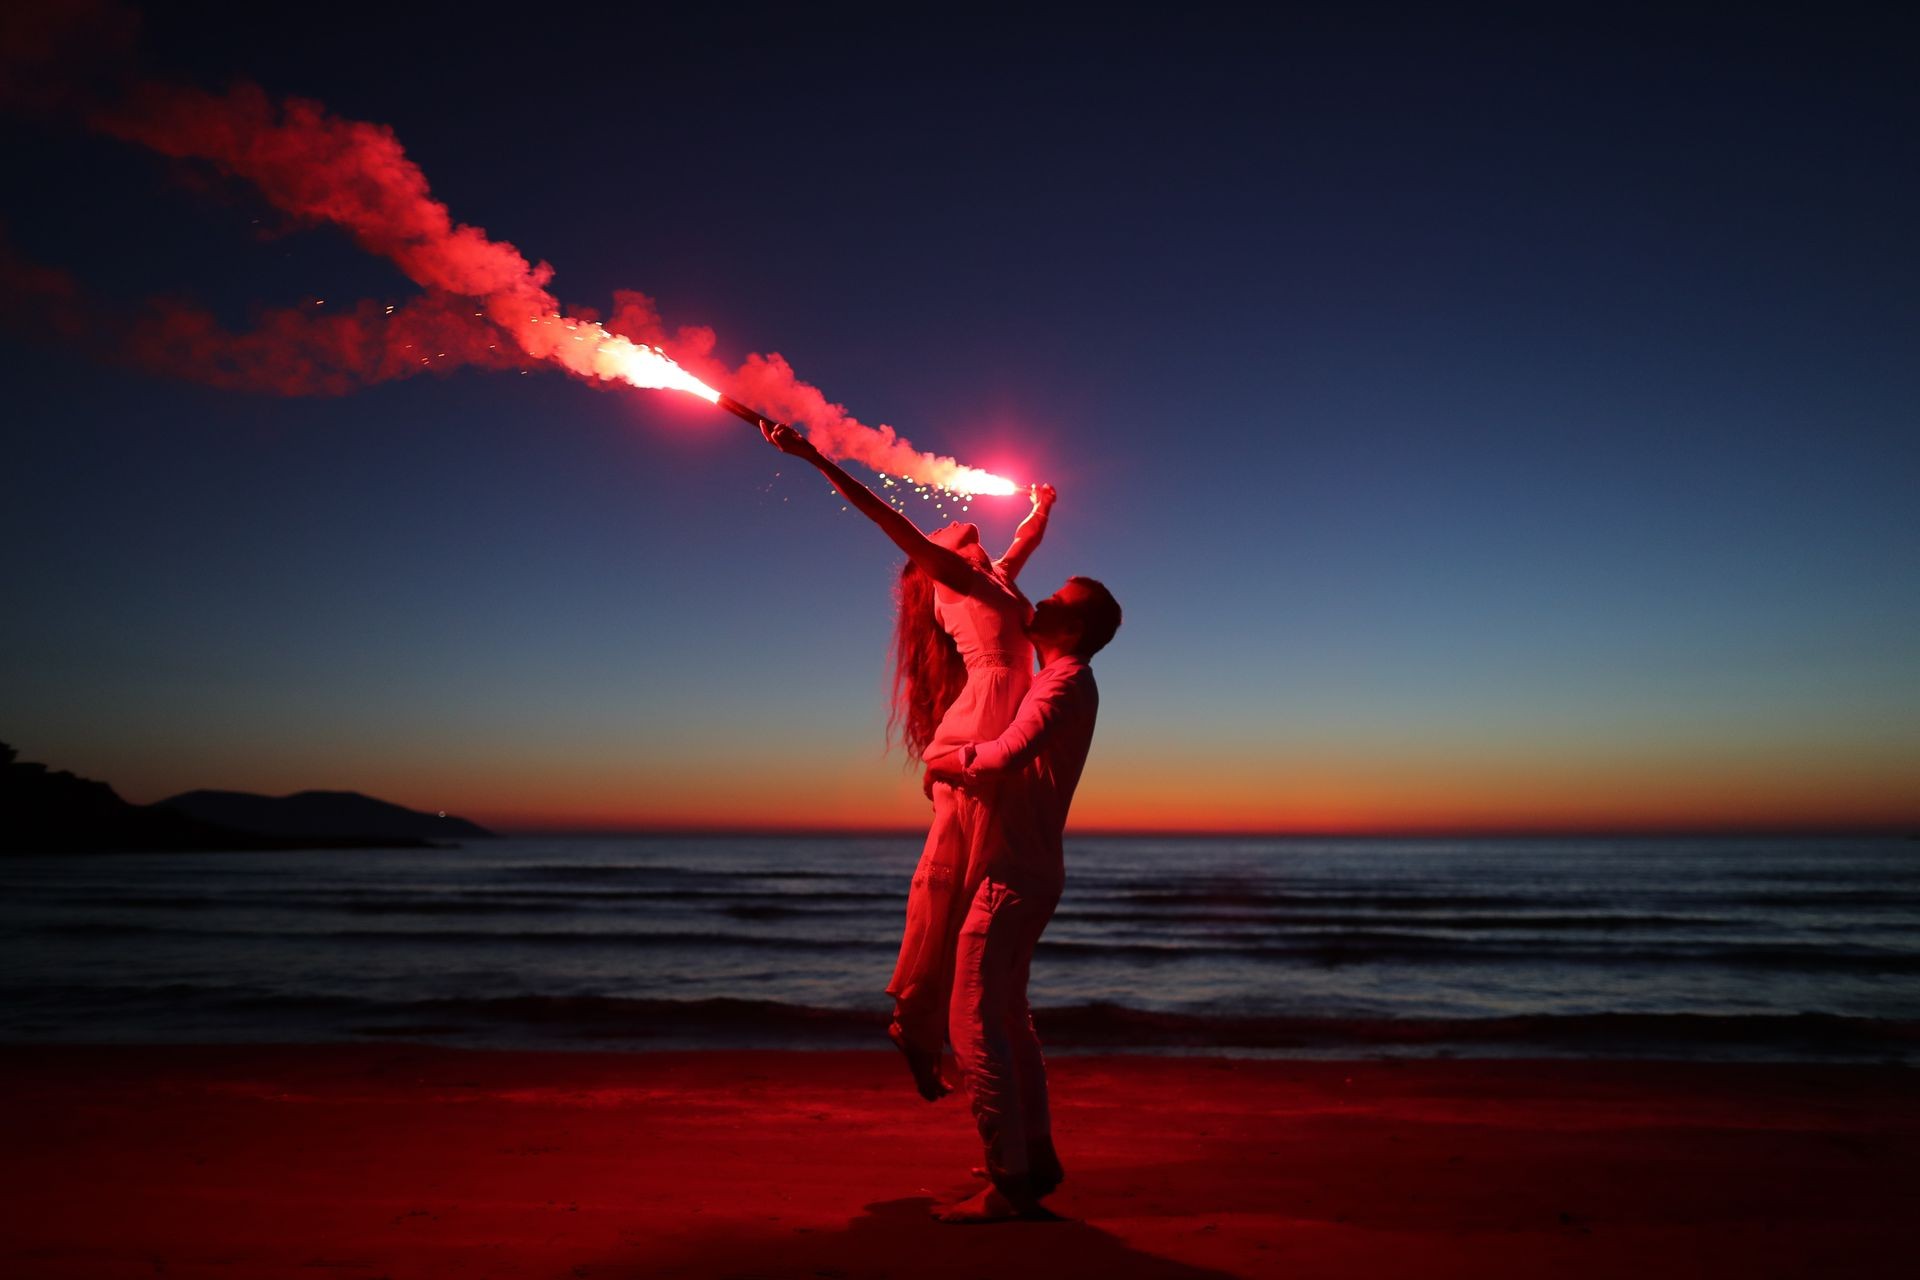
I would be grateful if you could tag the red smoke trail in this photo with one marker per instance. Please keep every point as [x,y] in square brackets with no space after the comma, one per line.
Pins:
[313,350]
[319,350]
[322,169]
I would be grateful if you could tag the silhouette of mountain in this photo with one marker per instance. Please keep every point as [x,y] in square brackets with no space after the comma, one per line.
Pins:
[54,811]
[327,815]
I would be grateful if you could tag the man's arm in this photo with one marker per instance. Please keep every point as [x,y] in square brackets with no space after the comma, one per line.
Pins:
[1049,700]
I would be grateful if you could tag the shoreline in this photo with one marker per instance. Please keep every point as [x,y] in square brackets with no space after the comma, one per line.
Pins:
[405,1160]
[592,1024]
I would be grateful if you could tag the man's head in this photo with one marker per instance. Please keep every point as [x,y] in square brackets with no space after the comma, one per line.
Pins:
[1079,618]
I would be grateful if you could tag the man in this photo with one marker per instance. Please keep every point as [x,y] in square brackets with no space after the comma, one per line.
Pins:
[1038,761]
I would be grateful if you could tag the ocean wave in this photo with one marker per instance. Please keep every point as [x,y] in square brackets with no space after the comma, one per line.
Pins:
[497,937]
[1323,948]
[1604,921]
[505,903]
[597,871]
[1357,948]
[1868,897]
[1246,897]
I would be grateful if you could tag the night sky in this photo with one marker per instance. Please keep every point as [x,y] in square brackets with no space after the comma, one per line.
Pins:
[1486,422]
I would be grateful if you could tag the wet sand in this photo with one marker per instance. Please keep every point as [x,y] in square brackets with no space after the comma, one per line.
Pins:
[402,1161]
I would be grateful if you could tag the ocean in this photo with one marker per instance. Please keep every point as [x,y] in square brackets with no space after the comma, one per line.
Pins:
[1722,949]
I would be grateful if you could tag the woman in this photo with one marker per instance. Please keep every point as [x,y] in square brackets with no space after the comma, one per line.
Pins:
[961,664]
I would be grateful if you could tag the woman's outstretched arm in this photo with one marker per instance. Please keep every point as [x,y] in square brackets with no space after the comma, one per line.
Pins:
[948,568]
[1027,537]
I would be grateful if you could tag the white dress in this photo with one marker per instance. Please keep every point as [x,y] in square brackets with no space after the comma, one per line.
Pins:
[992,639]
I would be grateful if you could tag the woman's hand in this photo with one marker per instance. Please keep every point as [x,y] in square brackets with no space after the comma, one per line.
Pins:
[1031,530]
[789,441]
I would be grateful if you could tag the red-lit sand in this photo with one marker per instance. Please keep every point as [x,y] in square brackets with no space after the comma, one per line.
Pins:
[395,1161]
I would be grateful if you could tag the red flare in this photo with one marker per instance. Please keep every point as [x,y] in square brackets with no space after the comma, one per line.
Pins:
[322,169]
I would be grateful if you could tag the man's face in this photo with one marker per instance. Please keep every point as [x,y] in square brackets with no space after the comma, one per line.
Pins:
[1056,619]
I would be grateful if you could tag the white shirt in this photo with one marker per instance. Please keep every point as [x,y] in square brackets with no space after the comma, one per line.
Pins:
[1039,760]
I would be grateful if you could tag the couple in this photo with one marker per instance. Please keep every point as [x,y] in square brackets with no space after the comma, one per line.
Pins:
[1003,750]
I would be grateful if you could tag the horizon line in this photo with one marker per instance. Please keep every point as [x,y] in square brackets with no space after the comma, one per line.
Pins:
[1644,832]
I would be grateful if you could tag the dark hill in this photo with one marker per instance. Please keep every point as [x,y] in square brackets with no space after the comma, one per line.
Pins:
[52,811]
[320,815]
[48,811]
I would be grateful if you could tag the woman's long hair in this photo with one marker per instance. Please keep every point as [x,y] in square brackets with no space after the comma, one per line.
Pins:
[928,672]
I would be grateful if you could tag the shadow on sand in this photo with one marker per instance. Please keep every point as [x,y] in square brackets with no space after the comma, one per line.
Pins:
[898,1238]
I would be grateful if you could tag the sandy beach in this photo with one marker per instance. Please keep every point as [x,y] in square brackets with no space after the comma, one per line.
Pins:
[403,1161]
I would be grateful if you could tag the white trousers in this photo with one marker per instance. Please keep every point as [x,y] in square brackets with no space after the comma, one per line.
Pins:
[991,1027]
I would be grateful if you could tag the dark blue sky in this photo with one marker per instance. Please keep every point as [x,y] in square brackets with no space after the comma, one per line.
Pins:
[1493,419]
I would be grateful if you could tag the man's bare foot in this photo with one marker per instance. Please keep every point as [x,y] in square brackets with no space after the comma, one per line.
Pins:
[925,1066]
[1044,1171]
[986,1205]
[1046,1175]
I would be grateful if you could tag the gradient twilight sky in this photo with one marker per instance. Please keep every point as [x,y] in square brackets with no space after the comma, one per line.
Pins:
[1486,422]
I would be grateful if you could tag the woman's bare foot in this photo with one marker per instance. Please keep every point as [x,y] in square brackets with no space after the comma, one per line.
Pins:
[925,1066]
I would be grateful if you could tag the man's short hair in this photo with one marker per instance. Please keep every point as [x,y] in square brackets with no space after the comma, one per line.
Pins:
[1099,616]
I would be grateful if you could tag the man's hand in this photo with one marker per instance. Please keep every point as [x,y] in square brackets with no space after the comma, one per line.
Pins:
[944,767]
[1043,496]
[788,441]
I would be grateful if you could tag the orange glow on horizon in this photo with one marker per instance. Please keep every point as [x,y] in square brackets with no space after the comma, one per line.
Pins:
[615,785]
[1329,808]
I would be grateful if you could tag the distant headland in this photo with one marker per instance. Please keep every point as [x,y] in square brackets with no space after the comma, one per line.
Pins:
[49,811]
